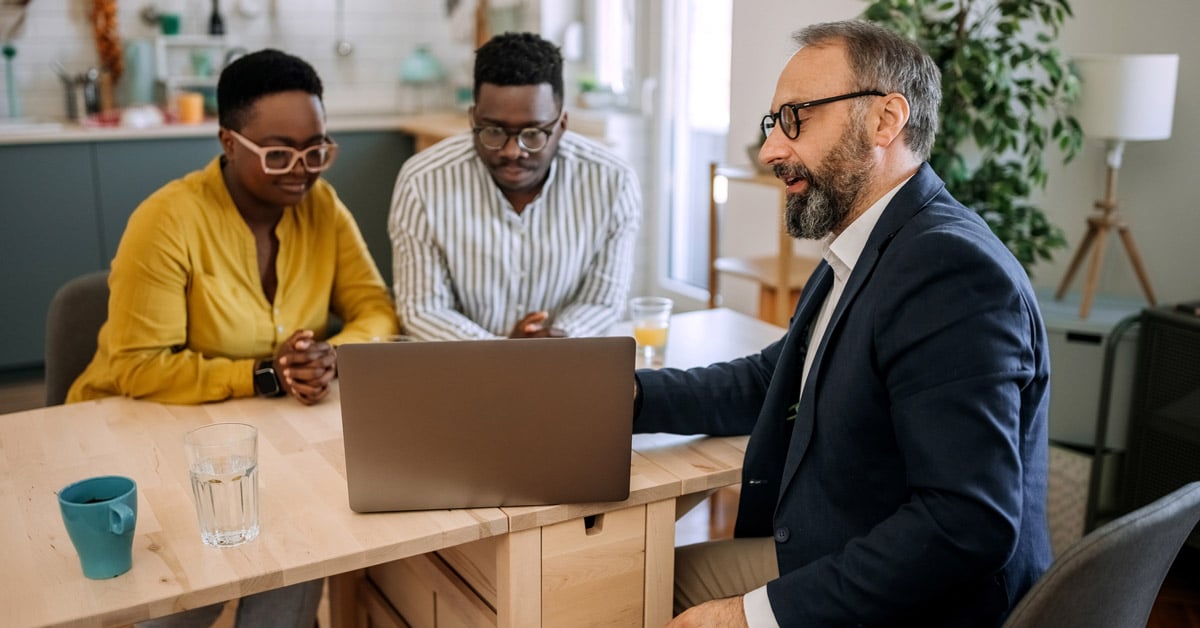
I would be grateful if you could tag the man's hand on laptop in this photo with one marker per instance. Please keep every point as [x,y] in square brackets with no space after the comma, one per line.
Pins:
[307,366]
[533,325]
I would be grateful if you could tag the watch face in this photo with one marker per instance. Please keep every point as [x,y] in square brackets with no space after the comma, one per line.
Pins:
[265,381]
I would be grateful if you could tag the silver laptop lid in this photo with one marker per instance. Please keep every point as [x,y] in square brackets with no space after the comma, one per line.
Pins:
[483,423]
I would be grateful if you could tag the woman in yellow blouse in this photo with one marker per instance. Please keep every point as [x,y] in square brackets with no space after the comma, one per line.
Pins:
[224,280]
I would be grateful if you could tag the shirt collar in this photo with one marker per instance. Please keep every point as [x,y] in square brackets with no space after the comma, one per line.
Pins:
[842,252]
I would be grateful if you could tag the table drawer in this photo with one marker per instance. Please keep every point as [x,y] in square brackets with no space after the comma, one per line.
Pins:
[425,593]
[595,576]
[590,575]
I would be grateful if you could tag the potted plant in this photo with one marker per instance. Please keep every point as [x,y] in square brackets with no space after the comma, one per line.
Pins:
[1005,91]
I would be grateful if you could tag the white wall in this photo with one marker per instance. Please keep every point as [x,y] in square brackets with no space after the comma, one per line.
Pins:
[383,32]
[1155,194]
[1156,198]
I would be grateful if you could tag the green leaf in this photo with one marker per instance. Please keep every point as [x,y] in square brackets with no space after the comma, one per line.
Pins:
[1006,90]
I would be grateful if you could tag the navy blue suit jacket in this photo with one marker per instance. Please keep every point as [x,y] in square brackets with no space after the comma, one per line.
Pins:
[910,489]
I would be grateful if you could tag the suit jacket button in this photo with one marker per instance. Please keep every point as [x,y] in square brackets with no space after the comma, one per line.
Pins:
[782,534]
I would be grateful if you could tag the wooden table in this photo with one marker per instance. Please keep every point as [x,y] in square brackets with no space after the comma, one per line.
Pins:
[308,530]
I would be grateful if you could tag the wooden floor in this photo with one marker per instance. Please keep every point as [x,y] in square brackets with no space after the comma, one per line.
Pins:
[1177,606]
[1178,603]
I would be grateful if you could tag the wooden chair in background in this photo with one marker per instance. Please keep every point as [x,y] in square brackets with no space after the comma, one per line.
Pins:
[780,275]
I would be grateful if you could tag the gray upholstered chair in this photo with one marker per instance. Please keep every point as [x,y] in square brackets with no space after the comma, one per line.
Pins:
[1111,576]
[73,323]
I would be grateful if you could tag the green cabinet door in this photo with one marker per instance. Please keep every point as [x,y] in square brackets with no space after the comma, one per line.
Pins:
[129,171]
[364,175]
[49,237]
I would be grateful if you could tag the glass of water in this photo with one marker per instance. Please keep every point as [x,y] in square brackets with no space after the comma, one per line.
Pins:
[223,462]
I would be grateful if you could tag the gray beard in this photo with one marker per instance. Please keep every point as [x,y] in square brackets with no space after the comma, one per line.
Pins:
[832,189]
[813,215]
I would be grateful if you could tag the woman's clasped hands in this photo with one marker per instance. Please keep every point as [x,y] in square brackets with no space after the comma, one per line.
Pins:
[306,366]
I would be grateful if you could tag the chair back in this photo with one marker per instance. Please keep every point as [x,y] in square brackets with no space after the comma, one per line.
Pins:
[1111,577]
[73,323]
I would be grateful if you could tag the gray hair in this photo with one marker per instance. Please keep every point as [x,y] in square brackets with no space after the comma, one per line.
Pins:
[886,61]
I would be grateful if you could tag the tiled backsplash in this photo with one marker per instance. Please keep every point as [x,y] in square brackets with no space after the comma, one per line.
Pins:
[383,33]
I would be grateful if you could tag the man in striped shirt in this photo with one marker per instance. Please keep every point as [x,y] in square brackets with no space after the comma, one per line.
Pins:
[518,228]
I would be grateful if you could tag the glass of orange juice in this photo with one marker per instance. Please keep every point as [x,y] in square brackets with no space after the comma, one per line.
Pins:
[651,321]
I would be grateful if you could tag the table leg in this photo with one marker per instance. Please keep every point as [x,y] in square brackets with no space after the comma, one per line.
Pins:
[660,562]
[345,611]
[519,579]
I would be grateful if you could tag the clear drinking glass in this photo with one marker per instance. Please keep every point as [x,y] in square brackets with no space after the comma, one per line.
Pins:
[651,322]
[223,462]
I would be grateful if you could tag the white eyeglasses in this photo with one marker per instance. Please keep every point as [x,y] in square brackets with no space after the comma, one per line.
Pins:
[282,159]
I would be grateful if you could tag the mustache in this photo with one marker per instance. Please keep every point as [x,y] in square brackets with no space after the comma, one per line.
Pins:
[505,162]
[792,171]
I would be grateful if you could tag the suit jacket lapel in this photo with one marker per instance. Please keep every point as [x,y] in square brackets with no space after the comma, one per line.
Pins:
[799,429]
[909,200]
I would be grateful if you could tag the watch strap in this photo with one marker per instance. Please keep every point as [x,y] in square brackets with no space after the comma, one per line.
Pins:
[266,380]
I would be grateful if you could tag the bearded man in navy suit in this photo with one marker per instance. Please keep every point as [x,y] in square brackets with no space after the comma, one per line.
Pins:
[896,468]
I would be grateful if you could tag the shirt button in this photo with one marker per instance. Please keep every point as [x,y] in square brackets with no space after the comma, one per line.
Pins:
[279,329]
[782,534]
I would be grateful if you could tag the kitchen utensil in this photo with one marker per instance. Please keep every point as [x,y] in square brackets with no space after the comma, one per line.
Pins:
[139,72]
[91,90]
[10,52]
[10,81]
[343,47]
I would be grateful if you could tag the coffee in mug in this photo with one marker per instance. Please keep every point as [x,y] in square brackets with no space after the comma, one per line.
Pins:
[100,515]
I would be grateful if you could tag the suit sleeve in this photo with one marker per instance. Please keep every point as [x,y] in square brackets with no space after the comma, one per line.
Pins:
[722,399]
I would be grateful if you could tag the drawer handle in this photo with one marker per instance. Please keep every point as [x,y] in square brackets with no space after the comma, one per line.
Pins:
[593,524]
[1091,339]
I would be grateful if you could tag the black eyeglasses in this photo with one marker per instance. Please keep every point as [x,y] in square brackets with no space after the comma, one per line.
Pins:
[531,139]
[788,116]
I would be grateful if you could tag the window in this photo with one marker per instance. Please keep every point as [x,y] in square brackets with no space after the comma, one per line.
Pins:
[698,76]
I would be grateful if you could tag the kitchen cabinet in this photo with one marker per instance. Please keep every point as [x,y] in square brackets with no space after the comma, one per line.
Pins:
[127,171]
[49,236]
[364,176]
[65,206]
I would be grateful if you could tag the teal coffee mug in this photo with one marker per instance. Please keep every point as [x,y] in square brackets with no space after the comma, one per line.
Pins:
[100,514]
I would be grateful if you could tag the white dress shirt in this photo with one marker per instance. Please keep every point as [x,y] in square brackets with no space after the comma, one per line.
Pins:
[841,253]
[466,265]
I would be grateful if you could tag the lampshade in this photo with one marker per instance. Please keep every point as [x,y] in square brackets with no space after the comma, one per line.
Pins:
[1126,97]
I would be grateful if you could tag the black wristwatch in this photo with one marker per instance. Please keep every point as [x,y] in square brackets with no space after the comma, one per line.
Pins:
[266,381]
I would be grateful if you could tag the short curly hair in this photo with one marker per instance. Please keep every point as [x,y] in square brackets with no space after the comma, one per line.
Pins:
[259,74]
[519,59]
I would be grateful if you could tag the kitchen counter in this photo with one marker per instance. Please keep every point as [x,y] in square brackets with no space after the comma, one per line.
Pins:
[425,125]
[426,128]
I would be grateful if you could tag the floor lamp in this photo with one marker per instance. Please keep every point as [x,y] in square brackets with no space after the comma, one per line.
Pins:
[1121,98]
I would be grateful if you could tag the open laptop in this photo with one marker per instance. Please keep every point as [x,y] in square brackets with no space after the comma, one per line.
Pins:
[482,423]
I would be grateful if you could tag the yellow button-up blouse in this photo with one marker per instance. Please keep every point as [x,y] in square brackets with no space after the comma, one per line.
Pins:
[187,318]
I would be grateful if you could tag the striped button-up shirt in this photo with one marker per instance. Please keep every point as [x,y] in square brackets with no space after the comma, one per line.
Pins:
[466,265]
